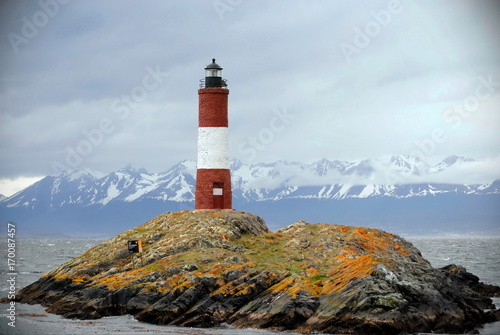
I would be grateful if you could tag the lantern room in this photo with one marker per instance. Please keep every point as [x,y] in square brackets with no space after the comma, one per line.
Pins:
[213,76]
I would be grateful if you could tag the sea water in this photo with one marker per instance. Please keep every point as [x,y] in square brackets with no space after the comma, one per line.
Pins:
[35,256]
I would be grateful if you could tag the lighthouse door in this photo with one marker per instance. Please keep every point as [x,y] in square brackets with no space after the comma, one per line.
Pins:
[218,196]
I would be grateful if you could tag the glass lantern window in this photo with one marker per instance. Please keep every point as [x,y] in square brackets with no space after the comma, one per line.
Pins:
[213,73]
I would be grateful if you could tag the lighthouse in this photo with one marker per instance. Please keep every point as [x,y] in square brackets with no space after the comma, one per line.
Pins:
[213,176]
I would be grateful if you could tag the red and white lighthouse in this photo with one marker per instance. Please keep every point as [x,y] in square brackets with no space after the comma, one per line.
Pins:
[213,177]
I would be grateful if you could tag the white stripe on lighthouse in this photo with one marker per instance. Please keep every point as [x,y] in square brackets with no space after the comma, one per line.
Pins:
[213,148]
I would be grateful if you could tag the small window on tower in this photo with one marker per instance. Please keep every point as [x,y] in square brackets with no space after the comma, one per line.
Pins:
[218,188]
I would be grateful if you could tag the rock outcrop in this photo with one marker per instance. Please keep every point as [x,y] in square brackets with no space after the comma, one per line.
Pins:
[205,268]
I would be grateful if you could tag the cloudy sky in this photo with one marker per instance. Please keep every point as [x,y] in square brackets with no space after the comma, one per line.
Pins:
[101,84]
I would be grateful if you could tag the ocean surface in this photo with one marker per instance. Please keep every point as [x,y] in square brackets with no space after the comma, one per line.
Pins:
[35,256]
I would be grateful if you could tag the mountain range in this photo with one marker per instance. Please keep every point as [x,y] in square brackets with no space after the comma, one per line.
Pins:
[393,192]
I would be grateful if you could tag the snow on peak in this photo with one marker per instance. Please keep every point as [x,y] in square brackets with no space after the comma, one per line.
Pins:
[79,173]
[323,166]
[185,166]
[130,169]
[450,160]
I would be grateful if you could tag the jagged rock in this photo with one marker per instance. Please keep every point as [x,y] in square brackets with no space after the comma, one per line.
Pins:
[204,268]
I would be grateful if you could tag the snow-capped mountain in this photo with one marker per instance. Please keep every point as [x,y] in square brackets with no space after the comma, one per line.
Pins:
[85,187]
[395,176]
[133,195]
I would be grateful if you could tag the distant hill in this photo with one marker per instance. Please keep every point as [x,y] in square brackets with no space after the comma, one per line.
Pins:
[387,193]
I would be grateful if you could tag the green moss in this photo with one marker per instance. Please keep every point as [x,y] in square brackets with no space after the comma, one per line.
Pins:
[319,276]
[389,301]
[137,231]
[278,306]
[190,256]
[271,252]
[266,251]
[294,269]
[151,267]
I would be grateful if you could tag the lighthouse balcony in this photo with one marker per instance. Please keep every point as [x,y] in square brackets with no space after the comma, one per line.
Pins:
[213,82]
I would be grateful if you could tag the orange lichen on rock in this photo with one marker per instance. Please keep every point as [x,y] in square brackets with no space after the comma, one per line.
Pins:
[118,280]
[371,240]
[344,229]
[216,269]
[176,282]
[234,289]
[248,264]
[364,249]
[79,279]
[349,270]
[294,286]
[311,271]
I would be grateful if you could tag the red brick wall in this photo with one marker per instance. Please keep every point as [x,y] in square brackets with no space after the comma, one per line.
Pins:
[213,107]
[204,187]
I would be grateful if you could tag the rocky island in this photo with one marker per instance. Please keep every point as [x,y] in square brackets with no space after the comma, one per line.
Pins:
[209,267]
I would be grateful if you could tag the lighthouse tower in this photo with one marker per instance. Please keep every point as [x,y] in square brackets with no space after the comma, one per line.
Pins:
[213,178]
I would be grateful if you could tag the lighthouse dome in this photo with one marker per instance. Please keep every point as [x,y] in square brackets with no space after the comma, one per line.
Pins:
[213,65]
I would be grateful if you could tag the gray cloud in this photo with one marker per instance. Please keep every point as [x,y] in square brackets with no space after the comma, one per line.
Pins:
[385,98]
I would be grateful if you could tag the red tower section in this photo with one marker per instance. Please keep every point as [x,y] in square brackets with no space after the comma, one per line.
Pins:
[213,176]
